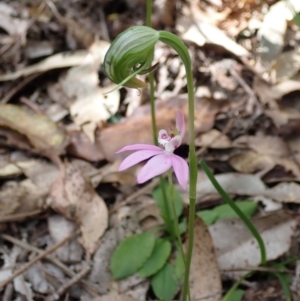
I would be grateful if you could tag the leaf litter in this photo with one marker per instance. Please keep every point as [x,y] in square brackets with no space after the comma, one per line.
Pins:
[247,125]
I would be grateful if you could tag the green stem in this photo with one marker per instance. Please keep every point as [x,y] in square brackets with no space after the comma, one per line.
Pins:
[168,219]
[171,188]
[149,13]
[181,49]
[238,211]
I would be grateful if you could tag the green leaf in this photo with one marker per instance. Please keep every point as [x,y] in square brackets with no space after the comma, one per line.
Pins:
[237,295]
[158,258]
[131,254]
[208,216]
[179,267]
[164,283]
[158,197]
[225,211]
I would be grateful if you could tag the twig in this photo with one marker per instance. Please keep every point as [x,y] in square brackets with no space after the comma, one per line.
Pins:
[68,284]
[18,87]
[8,293]
[37,258]
[19,216]
[85,284]
[259,269]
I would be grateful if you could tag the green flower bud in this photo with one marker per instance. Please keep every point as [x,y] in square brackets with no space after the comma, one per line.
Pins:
[130,54]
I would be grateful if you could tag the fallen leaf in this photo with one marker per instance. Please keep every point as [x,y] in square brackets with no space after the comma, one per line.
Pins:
[286,65]
[60,60]
[82,147]
[250,162]
[59,228]
[267,145]
[201,33]
[250,185]
[37,277]
[237,248]
[205,279]
[73,196]
[15,27]
[93,107]
[271,34]
[23,287]
[213,139]
[41,131]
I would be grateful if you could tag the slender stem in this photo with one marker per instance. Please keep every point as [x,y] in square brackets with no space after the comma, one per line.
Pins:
[181,49]
[149,13]
[238,211]
[171,191]
[168,219]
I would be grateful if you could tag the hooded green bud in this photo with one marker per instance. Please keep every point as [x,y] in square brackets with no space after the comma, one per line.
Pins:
[130,54]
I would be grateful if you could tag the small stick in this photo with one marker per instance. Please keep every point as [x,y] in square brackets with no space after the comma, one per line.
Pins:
[87,286]
[37,258]
[19,216]
[259,269]
[68,284]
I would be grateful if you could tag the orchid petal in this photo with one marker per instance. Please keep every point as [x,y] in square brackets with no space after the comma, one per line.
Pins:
[180,124]
[139,147]
[154,167]
[137,157]
[173,144]
[181,170]
[163,137]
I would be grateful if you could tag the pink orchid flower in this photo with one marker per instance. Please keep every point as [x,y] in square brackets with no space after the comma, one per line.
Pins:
[161,159]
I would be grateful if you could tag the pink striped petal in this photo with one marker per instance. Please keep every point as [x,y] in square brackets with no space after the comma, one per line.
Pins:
[137,157]
[181,170]
[180,124]
[154,167]
[139,147]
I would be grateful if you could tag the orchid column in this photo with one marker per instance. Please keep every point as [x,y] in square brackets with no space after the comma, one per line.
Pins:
[130,54]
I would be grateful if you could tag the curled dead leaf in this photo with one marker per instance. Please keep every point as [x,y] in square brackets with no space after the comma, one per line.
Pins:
[43,133]
[73,196]
[205,278]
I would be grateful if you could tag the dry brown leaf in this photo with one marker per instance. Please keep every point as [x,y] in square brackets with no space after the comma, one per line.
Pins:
[266,145]
[73,196]
[82,147]
[250,162]
[205,278]
[137,128]
[272,32]
[201,32]
[41,131]
[213,139]
[60,60]
[286,65]
[268,151]
[15,27]
[250,185]
[59,228]
[93,107]
[237,248]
